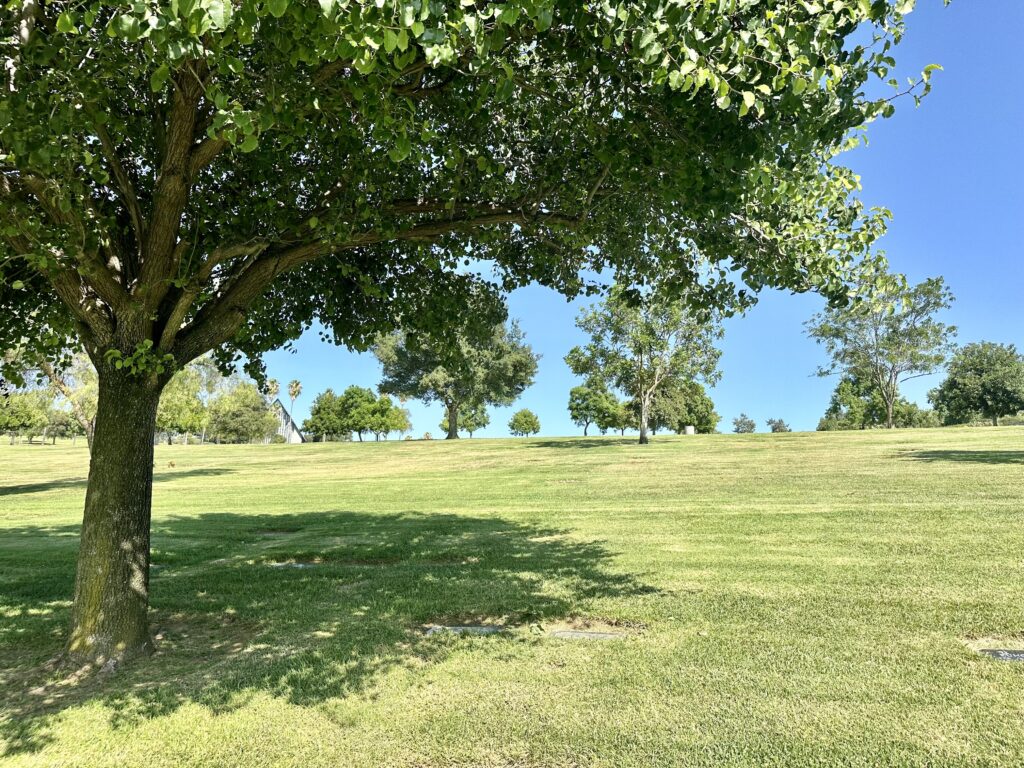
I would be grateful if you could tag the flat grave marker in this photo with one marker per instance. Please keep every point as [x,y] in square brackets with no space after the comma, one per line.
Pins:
[1002,654]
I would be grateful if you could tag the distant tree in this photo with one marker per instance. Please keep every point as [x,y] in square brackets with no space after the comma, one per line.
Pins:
[638,343]
[294,390]
[743,424]
[857,403]
[24,412]
[778,425]
[490,371]
[77,384]
[472,418]
[241,415]
[888,336]
[985,379]
[679,404]
[524,423]
[61,424]
[384,417]
[356,410]
[181,410]
[586,403]
[273,388]
[613,414]
[324,422]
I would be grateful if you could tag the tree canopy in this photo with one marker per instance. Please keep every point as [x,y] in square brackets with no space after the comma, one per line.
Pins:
[985,379]
[465,370]
[743,425]
[241,415]
[524,423]
[889,336]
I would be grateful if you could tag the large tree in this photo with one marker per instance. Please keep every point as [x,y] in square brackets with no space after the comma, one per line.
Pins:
[984,379]
[678,404]
[638,343]
[889,336]
[465,371]
[216,175]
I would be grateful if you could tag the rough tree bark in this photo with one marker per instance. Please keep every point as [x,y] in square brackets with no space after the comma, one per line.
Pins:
[110,622]
[453,421]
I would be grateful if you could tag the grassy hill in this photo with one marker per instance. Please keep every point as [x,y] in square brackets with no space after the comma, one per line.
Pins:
[782,599]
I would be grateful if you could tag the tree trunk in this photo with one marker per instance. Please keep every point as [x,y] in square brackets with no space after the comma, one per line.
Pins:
[109,618]
[587,424]
[644,408]
[453,422]
[995,419]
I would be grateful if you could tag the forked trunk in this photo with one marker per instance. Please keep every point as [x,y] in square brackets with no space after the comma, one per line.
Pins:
[453,422]
[109,618]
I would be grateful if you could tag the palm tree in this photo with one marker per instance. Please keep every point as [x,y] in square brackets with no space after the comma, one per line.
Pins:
[273,389]
[294,390]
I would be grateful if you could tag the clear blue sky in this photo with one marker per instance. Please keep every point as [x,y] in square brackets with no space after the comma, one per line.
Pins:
[951,173]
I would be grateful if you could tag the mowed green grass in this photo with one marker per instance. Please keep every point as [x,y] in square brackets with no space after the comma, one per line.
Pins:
[806,599]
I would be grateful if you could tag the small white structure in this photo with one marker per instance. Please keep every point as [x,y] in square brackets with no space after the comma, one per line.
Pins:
[286,426]
[689,429]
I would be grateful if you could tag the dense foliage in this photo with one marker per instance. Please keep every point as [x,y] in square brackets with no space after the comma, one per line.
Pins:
[524,423]
[241,415]
[677,405]
[983,379]
[207,175]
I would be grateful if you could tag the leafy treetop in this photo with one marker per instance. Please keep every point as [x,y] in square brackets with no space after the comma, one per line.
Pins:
[216,174]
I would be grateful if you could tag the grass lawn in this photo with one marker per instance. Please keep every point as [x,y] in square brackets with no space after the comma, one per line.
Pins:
[806,599]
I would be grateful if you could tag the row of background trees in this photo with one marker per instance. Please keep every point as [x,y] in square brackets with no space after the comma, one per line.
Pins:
[198,404]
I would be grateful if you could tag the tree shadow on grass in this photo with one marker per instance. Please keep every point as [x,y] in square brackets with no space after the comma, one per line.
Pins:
[978,457]
[82,482]
[585,442]
[230,626]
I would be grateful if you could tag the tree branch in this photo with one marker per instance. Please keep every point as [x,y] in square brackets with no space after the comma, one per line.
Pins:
[124,185]
[219,321]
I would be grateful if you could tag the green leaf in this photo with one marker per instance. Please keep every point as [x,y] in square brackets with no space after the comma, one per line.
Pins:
[250,143]
[219,12]
[277,8]
[159,78]
[66,24]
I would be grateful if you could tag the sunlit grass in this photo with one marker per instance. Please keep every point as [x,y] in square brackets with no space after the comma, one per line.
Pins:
[785,600]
